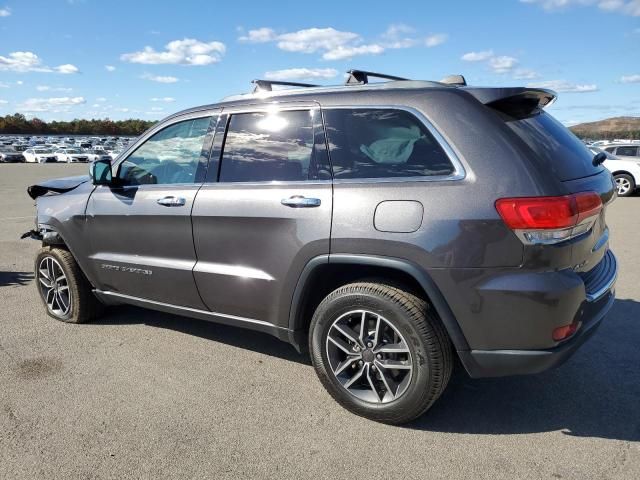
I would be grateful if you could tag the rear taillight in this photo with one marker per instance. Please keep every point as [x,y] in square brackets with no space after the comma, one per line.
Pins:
[548,220]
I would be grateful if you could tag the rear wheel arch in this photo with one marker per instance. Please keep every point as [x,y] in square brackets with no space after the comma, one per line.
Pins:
[325,273]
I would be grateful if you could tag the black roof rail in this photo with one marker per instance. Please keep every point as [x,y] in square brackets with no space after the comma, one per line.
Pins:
[361,77]
[267,85]
[454,80]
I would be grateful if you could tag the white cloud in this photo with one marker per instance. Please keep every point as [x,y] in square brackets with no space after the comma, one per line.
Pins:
[110,68]
[19,82]
[23,62]
[625,7]
[399,35]
[4,85]
[525,74]
[54,104]
[160,78]
[334,44]
[301,73]
[3,102]
[157,109]
[5,12]
[66,69]
[344,52]
[564,86]
[259,35]
[311,40]
[630,79]
[179,52]
[101,99]
[477,56]
[163,99]
[435,39]
[502,64]
[47,88]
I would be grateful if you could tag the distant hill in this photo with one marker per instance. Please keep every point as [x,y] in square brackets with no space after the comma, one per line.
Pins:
[609,128]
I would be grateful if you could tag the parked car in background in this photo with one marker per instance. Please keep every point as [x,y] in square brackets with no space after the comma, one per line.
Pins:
[10,155]
[628,150]
[97,155]
[625,172]
[71,155]
[39,155]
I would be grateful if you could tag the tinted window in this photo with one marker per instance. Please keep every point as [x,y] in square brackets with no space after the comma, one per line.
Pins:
[173,155]
[609,149]
[627,151]
[562,152]
[370,143]
[268,146]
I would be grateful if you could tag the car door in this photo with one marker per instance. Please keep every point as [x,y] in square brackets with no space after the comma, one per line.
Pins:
[140,232]
[265,214]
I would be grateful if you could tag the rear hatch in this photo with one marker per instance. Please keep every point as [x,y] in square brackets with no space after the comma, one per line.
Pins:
[564,156]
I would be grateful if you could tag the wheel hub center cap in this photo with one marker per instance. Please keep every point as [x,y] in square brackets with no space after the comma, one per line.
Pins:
[368,356]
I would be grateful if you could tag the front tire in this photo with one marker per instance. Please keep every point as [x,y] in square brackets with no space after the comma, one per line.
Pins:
[624,184]
[381,352]
[63,288]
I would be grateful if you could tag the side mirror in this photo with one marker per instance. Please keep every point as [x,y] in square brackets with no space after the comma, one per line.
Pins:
[101,172]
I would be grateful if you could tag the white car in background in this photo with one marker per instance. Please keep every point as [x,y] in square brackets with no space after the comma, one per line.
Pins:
[71,155]
[96,155]
[39,155]
[625,172]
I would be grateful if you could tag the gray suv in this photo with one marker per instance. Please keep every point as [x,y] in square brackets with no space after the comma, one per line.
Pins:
[388,227]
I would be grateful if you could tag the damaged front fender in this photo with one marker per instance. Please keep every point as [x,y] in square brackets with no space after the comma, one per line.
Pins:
[58,185]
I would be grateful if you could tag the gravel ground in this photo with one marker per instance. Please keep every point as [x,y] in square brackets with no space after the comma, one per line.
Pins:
[149,395]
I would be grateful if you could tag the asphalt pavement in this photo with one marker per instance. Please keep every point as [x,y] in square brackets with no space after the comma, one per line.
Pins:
[142,394]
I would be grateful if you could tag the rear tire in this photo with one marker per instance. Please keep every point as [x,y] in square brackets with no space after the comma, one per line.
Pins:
[400,330]
[63,288]
[624,184]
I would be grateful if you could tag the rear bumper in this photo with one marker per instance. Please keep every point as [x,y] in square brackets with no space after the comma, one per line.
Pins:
[500,363]
[598,298]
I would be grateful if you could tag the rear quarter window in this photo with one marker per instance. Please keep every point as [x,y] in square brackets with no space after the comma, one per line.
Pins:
[382,143]
[554,144]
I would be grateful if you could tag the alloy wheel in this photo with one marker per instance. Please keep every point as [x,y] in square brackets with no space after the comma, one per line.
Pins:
[623,185]
[54,287]
[369,357]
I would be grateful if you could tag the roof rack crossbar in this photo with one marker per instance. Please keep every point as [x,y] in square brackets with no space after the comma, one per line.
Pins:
[267,85]
[361,77]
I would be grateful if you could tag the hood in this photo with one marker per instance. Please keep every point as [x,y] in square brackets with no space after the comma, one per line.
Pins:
[57,185]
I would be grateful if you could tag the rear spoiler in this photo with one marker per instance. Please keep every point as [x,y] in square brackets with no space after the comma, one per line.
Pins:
[514,101]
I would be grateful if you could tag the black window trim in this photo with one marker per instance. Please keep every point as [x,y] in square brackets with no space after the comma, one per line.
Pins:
[459,172]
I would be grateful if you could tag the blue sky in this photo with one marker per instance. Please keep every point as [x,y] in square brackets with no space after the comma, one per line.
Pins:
[64,59]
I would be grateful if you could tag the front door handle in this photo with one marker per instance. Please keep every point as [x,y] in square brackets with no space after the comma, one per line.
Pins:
[298,201]
[172,201]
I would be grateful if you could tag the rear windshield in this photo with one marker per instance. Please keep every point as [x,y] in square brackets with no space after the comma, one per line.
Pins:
[560,150]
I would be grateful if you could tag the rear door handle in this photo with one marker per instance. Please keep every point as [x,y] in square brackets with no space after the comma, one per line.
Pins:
[172,201]
[298,201]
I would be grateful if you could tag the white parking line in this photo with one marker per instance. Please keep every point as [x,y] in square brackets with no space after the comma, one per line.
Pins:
[15,218]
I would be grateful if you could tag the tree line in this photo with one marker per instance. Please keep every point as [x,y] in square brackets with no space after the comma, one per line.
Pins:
[19,124]
[606,134]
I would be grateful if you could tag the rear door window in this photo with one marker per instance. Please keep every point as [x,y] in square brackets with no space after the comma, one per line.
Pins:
[627,151]
[269,146]
[562,152]
[382,143]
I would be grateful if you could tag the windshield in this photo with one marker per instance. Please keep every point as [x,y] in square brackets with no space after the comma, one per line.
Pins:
[42,150]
